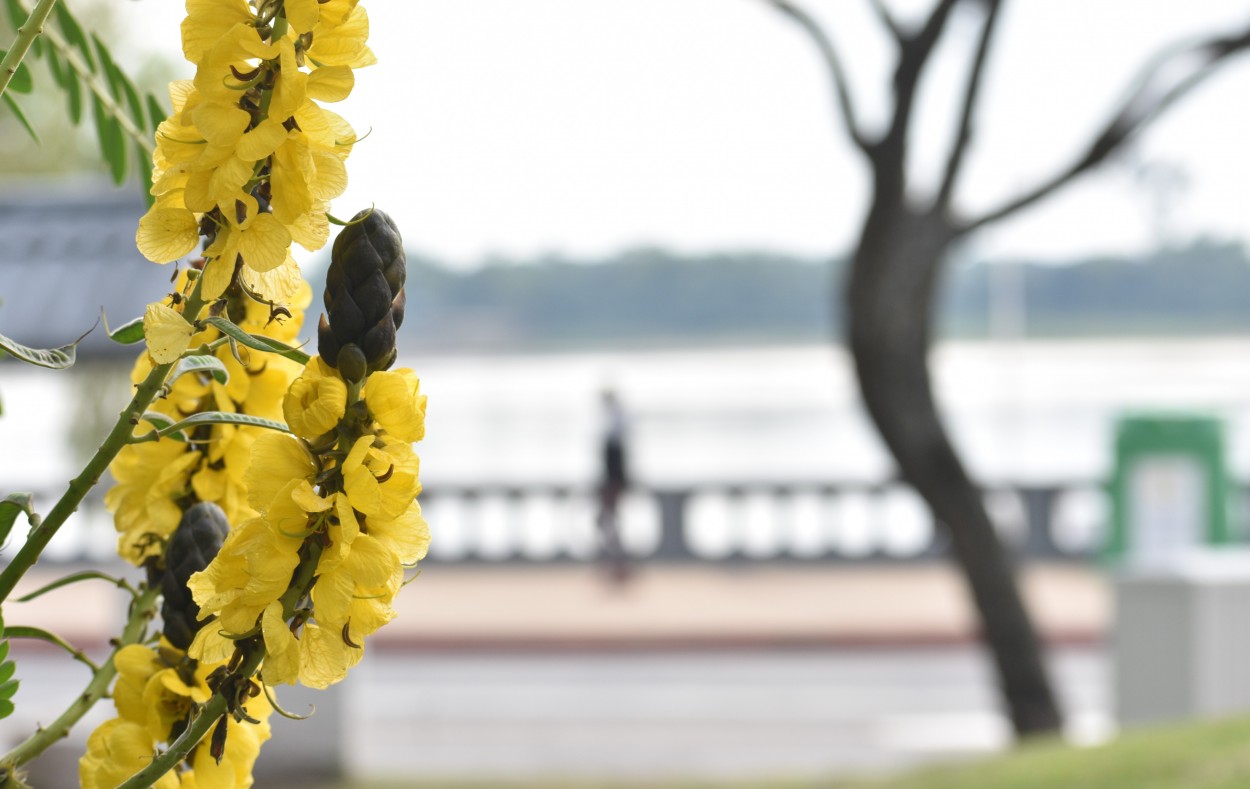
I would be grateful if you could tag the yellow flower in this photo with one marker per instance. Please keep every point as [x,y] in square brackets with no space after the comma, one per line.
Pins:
[253,569]
[316,400]
[151,478]
[381,481]
[395,401]
[166,333]
[342,43]
[116,750]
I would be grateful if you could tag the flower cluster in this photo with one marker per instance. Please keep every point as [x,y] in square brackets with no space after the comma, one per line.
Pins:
[339,500]
[248,158]
[154,696]
[157,481]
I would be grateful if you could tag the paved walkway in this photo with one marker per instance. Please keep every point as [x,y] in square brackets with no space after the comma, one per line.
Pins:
[671,606]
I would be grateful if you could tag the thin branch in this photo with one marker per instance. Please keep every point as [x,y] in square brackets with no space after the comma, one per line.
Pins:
[963,136]
[833,62]
[26,35]
[1135,113]
[887,19]
[142,609]
[890,154]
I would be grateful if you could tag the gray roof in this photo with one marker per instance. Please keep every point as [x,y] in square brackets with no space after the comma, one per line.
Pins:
[66,252]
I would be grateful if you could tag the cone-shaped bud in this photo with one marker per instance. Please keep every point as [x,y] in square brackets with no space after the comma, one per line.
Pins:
[193,545]
[364,294]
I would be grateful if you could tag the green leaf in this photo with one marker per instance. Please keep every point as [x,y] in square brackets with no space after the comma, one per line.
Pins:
[108,66]
[17,14]
[156,112]
[38,633]
[226,418]
[133,102]
[73,94]
[143,163]
[21,81]
[160,421]
[73,34]
[56,67]
[55,359]
[112,140]
[257,341]
[8,685]
[199,364]
[128,333]
[21,116]
[10,506]
[73,578]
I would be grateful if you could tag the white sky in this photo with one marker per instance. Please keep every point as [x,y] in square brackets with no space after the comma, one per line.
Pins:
[587,126]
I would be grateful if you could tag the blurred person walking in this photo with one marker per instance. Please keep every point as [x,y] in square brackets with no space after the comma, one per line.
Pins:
[612,486]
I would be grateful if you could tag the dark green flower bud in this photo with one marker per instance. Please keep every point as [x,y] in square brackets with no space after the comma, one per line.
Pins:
[192,546]
[352,363]
[364,294]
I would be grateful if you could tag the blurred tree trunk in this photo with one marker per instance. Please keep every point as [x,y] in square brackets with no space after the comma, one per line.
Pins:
[890,296]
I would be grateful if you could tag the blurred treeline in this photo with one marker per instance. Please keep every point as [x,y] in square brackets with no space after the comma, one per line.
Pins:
[651,297]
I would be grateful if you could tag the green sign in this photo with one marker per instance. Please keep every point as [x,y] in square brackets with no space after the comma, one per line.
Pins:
[1170,489]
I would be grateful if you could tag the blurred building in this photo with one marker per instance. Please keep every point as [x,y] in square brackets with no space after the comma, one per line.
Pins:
[66,252]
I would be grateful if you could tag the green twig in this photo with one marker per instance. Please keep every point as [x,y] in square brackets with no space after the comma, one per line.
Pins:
[26,35]
[41,535]
[135,632]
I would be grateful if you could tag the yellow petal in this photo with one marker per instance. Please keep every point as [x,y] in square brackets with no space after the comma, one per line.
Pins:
[277,459]
[324,657]
[261,141]
[282,650]
[302,14]
[394,401]
[209,20]
[167,234]
[217,275]
[279,284]
[265,243]
[332,83]
[220,124]
[165,332]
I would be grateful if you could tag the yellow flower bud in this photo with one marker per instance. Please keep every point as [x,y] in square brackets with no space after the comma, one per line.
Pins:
[316,401]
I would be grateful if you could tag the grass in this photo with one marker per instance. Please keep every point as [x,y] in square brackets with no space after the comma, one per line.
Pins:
[1208,755]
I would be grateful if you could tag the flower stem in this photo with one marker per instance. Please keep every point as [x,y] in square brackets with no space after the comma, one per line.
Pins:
[141,611]
[26,35]
[117,438]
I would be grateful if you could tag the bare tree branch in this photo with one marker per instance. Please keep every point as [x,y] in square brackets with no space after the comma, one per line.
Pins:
[963,136]
[1136,112]
[887,19]
[890,154]
[834,65]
